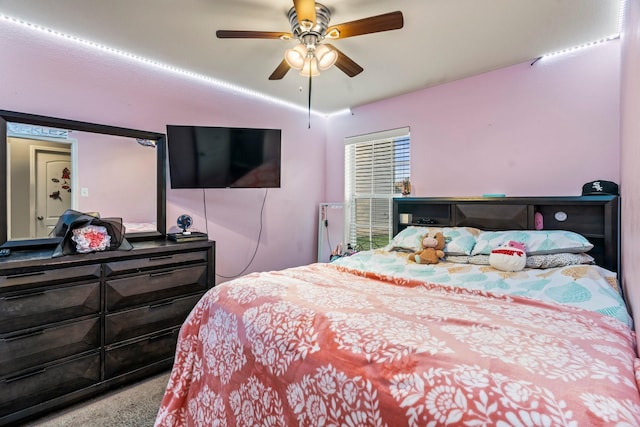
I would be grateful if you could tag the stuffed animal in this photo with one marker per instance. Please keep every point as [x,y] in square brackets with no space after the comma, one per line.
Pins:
[432,249]
[510,256]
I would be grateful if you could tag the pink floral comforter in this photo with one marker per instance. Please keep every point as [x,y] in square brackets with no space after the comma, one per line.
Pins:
[319,345]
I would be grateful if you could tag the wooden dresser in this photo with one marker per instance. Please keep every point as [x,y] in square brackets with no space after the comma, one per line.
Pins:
[78,325]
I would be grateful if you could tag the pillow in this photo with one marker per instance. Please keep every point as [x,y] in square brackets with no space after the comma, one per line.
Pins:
[479,260]
[542,261]
[558,260]
[91,238]
[457,259]
[460,240]
[536,242]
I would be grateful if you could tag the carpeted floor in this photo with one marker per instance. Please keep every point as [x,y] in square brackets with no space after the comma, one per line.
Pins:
[131,406]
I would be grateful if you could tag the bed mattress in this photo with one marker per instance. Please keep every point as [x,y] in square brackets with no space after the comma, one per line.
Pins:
[585,286]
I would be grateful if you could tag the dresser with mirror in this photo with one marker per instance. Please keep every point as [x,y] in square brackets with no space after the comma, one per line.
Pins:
[75,326]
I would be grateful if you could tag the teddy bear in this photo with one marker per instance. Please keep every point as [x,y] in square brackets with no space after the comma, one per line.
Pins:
[510,256]
[432,249]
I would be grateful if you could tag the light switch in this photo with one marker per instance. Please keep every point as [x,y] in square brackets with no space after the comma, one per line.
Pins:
[84,192]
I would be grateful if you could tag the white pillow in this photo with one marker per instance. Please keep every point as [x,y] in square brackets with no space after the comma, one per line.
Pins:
[536,242]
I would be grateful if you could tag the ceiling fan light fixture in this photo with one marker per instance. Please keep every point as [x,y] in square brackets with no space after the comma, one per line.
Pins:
[296,57]
[310,67]
[326,57]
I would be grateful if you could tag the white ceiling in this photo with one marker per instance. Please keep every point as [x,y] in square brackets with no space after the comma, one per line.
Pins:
[441,41]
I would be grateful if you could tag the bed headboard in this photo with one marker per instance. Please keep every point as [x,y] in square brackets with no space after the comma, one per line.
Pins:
[595,217]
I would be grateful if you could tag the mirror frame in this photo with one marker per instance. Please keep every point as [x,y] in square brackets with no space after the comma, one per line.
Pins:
[32,119]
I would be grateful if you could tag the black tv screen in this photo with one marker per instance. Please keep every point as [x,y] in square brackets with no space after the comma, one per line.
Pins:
[223,157]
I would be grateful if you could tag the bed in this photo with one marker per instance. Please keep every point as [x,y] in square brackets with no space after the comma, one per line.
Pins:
[374,339]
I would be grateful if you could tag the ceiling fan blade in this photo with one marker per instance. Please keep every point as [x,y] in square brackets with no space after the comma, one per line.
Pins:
[346,64]
[373,24]
[280,71]
[233,34]
[306,10]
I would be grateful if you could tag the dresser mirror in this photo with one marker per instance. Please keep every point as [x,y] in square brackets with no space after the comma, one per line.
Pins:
[52,164]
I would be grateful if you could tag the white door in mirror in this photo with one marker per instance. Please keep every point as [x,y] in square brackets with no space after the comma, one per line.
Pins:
[53,191]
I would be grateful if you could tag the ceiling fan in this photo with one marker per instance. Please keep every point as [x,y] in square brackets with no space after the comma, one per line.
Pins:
[310,26]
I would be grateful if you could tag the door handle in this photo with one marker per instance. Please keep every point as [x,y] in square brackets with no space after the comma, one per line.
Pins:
[40,218]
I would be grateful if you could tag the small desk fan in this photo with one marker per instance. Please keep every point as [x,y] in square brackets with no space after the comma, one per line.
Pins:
[185,222]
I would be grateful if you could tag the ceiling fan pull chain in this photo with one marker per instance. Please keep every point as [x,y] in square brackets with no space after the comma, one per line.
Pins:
[309,103]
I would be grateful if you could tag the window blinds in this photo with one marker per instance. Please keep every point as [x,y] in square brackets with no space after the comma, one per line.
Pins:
[375,166]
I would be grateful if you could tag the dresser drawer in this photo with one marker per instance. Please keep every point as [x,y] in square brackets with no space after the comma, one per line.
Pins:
[29,389]
[25,351]
[147,288]
[145,320]
[50,276]
[39,307]
[139,354]
[141,264]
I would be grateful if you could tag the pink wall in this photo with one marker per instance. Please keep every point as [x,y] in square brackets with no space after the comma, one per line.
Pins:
[524,130]
[54,77]
[630,154]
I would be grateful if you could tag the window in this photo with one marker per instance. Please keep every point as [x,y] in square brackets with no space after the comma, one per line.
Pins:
[375,167]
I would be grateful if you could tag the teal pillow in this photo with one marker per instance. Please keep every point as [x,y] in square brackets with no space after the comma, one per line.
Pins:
[459,240]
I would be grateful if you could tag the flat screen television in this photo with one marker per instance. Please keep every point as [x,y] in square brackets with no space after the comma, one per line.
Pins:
[223,157]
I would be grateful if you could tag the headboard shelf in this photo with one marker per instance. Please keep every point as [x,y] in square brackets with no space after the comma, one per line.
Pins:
[595,217]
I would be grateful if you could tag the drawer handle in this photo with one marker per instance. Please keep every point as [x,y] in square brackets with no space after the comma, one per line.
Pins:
[161,304]
[23,376]
[162,273]
[31,295]
[161,258]
[23,336]
[34,273]
[160,336]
